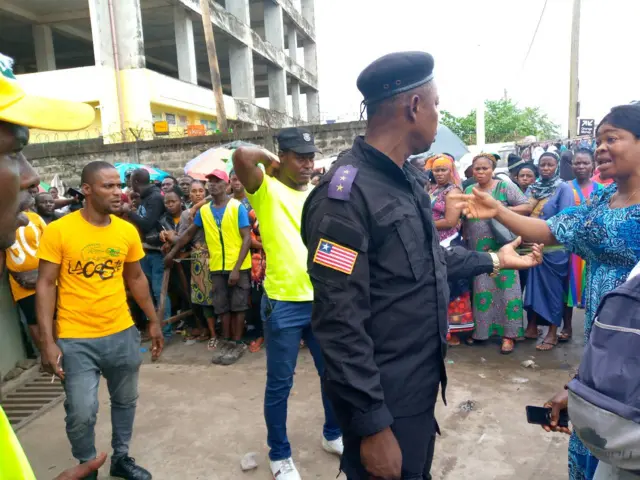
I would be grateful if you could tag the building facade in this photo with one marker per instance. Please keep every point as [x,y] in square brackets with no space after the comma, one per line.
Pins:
[144,62]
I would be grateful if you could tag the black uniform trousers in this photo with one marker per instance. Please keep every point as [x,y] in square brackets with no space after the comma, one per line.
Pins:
[416,436]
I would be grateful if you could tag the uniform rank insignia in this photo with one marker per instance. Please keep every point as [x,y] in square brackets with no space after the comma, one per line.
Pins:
[341,182]
[337,257]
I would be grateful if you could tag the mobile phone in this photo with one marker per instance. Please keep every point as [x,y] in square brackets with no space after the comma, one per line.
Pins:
[74,193]
[542,416]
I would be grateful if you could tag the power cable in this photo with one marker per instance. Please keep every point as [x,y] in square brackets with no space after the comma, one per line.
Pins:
[533,39]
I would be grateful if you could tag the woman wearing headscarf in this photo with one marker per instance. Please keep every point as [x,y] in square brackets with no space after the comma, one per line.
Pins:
[447,221]
[497,302]
[447,180]
[544,293]
[605,232]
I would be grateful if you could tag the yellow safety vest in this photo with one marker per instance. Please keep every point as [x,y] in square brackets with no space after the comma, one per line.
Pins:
[13,462]
[224,243]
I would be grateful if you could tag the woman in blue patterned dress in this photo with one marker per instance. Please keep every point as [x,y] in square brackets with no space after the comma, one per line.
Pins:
[605,232]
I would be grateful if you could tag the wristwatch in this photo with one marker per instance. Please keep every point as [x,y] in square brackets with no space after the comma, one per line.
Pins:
[496,265]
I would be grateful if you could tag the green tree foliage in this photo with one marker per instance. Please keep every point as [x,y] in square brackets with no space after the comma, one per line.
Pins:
[504,122]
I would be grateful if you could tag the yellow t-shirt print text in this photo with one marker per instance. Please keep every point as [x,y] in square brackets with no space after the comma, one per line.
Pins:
[97,260]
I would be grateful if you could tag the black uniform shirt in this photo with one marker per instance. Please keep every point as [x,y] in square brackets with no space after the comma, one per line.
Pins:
[380,288]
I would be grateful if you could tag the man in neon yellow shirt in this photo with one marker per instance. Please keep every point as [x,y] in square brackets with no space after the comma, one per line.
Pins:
[18,112]
[277,199]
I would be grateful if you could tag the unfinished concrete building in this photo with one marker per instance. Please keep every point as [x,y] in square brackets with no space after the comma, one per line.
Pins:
[140,62]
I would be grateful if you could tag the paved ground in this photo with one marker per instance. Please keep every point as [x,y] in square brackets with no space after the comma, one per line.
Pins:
[196,420]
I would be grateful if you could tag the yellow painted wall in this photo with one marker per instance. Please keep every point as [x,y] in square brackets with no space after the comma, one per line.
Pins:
[180,117]
[93,131]
[147,96]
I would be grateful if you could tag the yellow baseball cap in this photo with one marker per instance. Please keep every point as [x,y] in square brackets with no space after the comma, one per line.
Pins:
[38,112]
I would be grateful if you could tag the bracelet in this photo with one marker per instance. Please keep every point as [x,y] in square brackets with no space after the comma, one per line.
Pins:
[496,265]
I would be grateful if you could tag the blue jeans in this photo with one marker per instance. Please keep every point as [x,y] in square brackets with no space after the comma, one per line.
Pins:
[153,267]
[285,324]
[117,357]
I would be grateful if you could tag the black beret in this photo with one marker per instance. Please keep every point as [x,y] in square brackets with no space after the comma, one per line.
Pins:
[394,74]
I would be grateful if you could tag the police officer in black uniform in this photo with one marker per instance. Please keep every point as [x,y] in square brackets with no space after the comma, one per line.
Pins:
[380,277]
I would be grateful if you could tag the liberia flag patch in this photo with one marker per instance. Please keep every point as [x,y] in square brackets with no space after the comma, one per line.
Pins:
[337,257]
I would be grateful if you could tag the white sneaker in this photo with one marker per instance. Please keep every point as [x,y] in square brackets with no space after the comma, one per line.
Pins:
[333,446]
[284,470]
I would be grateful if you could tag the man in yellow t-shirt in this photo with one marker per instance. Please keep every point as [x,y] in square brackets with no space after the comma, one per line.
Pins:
[90,254]
[22,264]
[277,199]
[18,112]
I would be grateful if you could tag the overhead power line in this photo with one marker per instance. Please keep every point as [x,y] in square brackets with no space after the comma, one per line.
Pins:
[535,33]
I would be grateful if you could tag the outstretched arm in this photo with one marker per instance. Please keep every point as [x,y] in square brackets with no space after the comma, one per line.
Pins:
[530,229]
[482,205]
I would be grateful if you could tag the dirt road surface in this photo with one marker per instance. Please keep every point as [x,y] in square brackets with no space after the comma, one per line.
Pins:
[196,420]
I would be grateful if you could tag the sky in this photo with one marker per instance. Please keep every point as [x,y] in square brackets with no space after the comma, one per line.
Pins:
[479,48]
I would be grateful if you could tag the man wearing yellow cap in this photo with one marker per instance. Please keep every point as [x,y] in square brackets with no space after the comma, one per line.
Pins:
[19,112]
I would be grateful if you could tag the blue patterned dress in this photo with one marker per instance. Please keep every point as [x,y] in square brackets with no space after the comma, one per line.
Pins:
[609,241]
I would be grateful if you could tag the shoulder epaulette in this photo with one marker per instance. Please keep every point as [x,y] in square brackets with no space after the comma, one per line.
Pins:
[341,182]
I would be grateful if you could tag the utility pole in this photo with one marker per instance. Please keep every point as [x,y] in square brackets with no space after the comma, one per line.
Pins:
[212,55]
[574,65]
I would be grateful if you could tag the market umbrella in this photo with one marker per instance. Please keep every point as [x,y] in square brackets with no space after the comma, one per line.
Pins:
[446,142]
[205,163]
[154,173]
[43,187]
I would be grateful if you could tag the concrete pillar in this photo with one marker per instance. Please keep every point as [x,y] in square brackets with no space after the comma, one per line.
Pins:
[103,55]
[185,45]
[295,99]
[274,34]
[277,89]
[240,10]
[43,41]
[293,44]
[127,89]
[273,24]
[100,33]
[313,107]
[240,56]
[309,11]
[310,57]
[128,20]
[241,66]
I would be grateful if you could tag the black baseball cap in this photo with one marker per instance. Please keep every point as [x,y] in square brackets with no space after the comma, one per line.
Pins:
[298,140]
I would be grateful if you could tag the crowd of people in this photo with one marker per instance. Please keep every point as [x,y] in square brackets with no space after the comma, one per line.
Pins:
[262,257]
[547,294]
[205,239]
[191,242]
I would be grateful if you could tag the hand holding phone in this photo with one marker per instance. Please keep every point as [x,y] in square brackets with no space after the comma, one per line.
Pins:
[542,416]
